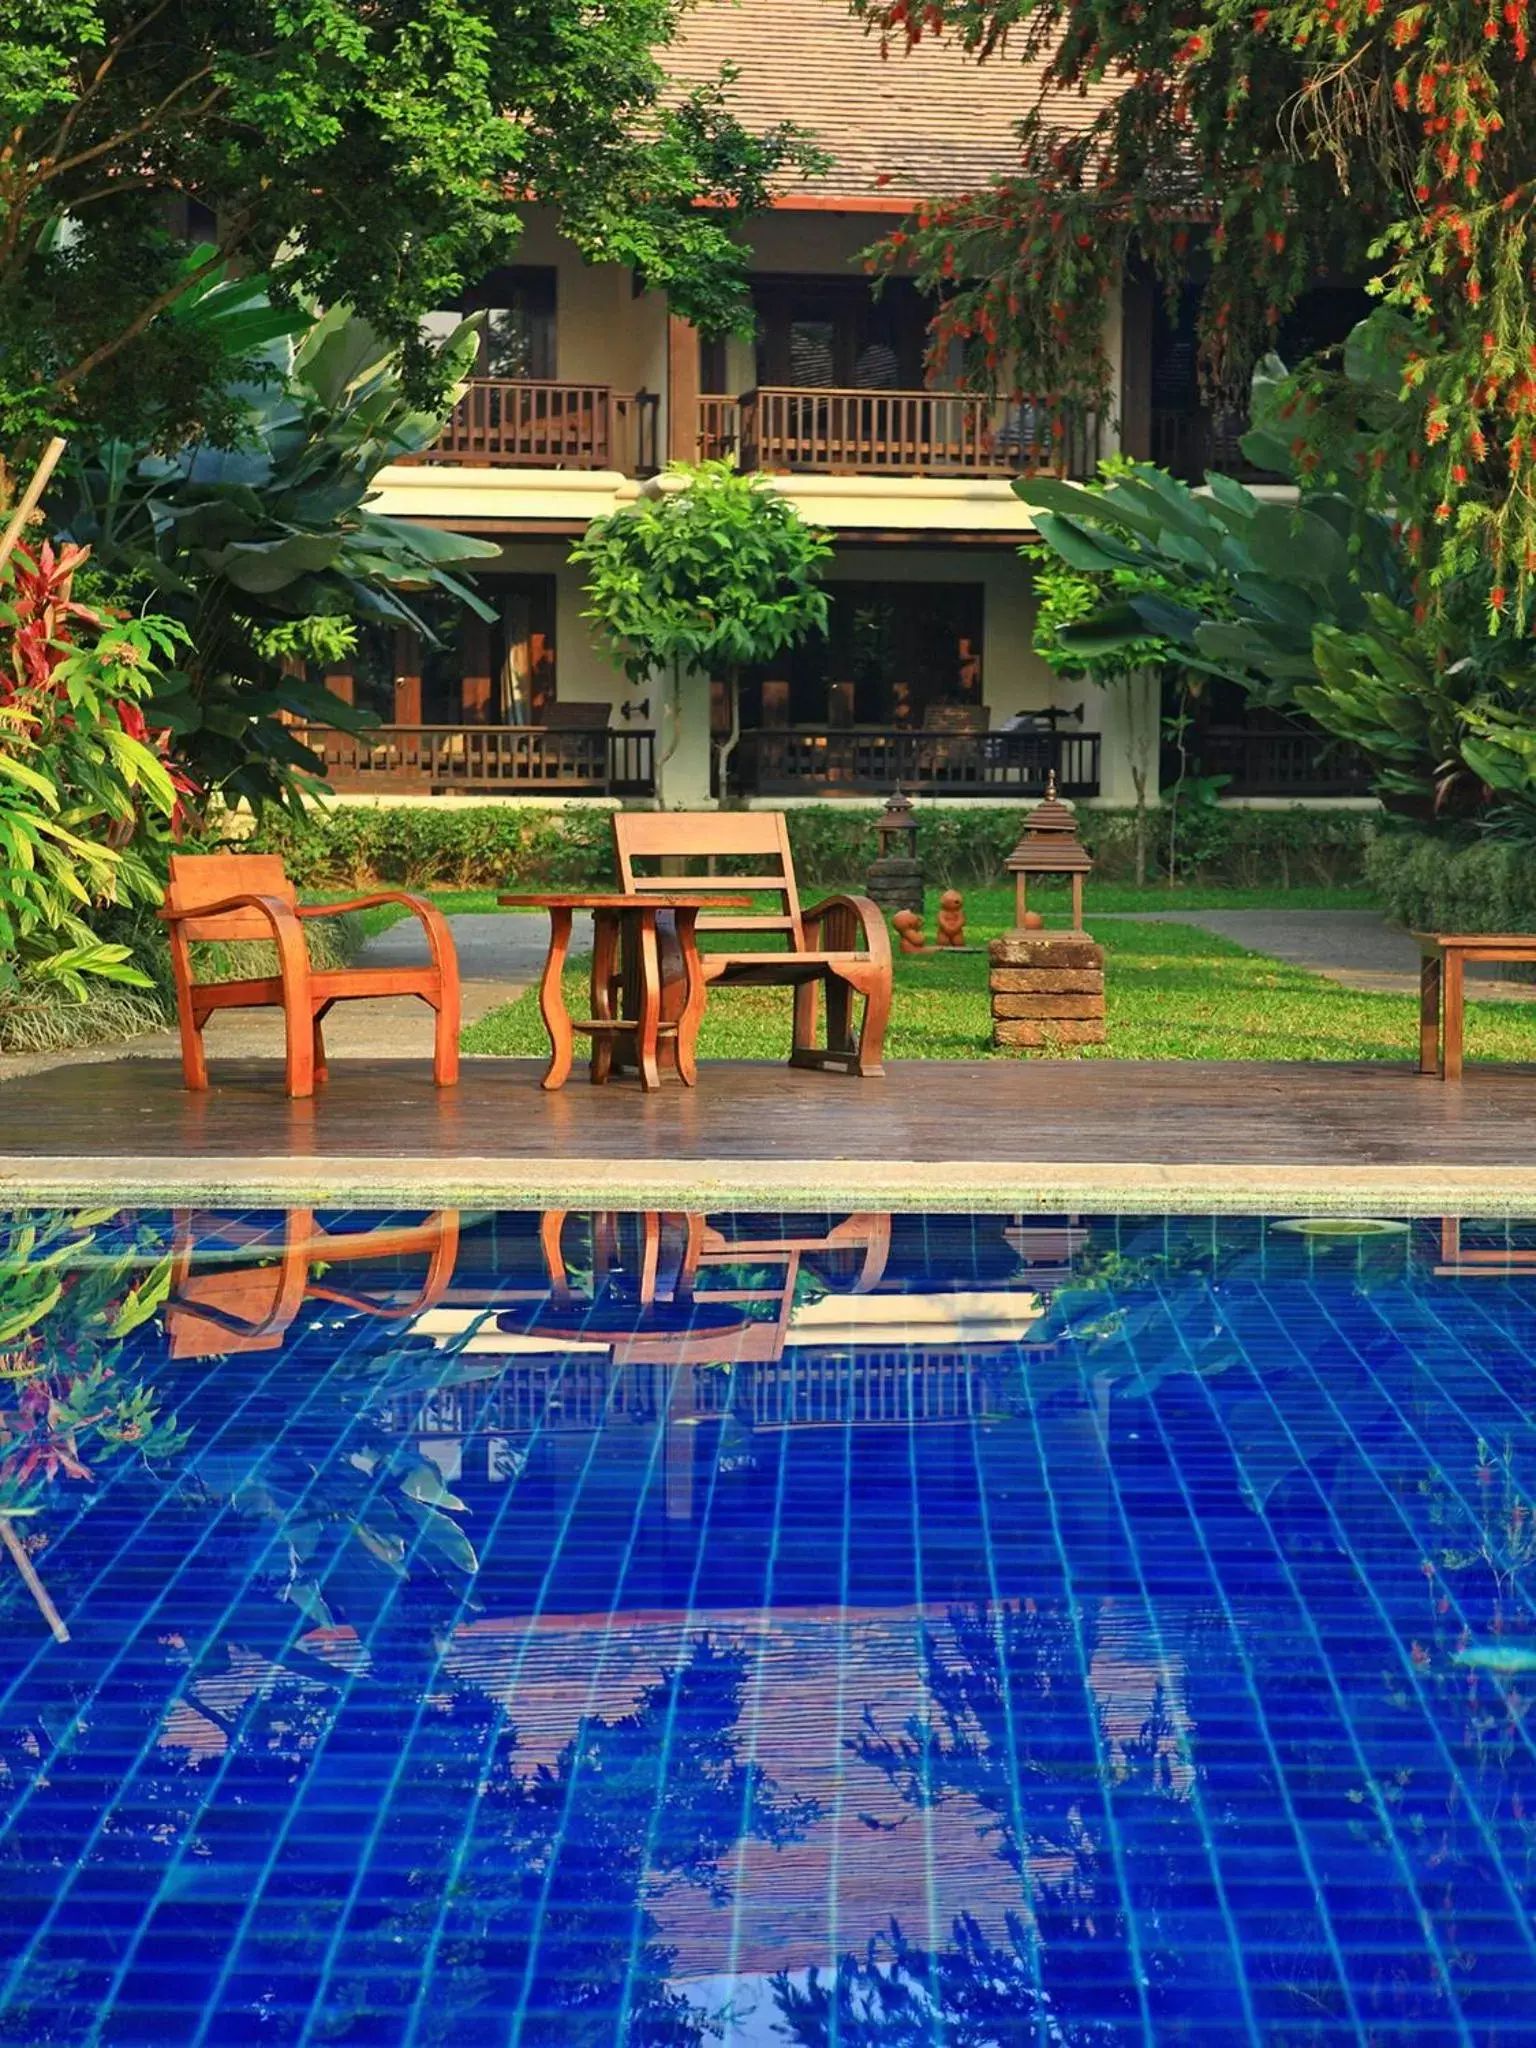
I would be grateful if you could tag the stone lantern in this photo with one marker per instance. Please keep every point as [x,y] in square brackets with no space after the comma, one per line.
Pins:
[895,878]
[1047,988]
[1049,845]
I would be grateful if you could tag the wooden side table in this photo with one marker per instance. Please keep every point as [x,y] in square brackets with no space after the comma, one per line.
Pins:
[1442,990]
[623,928]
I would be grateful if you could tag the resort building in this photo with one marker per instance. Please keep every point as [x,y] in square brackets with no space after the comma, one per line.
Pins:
[588,384]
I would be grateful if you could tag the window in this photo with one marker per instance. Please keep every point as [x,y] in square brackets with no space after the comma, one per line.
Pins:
[497,671]
[833,333]
[517,338]
[897,654]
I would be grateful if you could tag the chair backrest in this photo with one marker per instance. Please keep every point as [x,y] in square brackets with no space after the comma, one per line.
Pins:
[957,718]
[578,714]
[689,840]
[213,878]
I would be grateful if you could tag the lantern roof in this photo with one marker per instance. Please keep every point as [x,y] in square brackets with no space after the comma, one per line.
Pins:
[1049,843]
[899,814]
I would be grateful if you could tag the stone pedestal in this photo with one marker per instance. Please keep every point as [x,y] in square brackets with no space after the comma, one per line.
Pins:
[1047,990]
[895,884]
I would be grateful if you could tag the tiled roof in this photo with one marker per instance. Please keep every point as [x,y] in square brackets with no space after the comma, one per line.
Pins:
[912,125]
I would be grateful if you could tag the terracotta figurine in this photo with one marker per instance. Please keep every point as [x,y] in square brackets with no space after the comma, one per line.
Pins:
[951,930]
[909,929]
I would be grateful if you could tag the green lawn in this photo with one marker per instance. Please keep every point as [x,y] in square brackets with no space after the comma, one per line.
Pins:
[987,908]
[1175,992]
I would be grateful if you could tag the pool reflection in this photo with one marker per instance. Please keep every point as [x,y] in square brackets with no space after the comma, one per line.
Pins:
[836,1629]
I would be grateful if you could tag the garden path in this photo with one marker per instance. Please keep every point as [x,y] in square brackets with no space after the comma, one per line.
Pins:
[1357,948]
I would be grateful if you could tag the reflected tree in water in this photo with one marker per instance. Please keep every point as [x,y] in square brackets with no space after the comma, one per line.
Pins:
[1116,1856]
[502,1891]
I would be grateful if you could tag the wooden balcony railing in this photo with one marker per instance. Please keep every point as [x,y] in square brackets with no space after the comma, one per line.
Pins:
[719,428]
[1298,764]
[513,423]
[870,760]
[896,433]
[437,758]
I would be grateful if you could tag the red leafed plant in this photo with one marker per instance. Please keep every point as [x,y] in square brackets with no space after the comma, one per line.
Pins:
[83,782]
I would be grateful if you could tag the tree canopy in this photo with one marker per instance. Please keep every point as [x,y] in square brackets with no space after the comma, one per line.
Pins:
[369,152]
[1245,150]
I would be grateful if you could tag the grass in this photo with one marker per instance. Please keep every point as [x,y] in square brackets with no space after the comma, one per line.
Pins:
[985,907]
[1175,992]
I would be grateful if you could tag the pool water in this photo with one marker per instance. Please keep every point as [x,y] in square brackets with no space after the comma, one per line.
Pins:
[834,1630]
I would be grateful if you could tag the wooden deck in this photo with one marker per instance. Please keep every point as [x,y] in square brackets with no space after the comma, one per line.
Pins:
[1011,1135]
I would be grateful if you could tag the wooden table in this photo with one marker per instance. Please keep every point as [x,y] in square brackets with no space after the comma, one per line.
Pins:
[624,931]
[1442,990]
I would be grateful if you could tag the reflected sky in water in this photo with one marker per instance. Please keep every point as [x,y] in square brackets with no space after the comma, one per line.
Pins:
[846,1631]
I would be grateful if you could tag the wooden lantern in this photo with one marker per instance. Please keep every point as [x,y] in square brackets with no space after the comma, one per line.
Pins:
[1049,845]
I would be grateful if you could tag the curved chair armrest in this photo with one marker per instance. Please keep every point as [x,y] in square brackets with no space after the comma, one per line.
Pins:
[273,908]
[861,912]
[287,932]
[440,944]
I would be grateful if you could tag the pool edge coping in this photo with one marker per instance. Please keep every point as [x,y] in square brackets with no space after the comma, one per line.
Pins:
[1051,1186]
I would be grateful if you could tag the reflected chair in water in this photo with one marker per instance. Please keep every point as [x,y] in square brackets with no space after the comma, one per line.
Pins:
[216,1309]
[651,1308]
[1461,1261]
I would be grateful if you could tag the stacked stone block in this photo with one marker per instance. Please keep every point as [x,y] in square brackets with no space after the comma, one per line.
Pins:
[1047,990]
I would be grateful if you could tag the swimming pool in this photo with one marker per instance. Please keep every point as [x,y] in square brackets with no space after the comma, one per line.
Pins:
[826,1629]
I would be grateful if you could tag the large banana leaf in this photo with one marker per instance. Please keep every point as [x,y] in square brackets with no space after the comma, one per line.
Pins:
[234,542]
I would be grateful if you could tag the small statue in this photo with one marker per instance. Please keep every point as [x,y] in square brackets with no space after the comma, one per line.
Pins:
[951,930]
[909,929]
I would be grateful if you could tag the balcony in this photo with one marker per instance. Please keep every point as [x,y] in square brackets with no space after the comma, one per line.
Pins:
[1278,764]
[512,423]
[491,759]
[870,760]
[895,433]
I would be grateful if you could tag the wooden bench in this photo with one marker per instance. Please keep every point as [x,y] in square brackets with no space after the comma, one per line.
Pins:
[839,947]
[1442,990]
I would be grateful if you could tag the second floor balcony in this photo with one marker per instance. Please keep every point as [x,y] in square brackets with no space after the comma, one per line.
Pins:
[540,423]
[837,432]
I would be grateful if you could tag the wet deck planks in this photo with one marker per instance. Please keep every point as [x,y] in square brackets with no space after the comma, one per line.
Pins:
[922,1135]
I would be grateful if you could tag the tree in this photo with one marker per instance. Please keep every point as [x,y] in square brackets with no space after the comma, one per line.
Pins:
[1245,150]
[712,575]
[369,152]
[1309,607]
[1132,664]
[267,553]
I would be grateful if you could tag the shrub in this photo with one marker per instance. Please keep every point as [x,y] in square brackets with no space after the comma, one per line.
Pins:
[502,845]
[1433,882]
[414,846]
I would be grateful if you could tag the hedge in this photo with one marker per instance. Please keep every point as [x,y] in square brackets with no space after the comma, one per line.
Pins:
[510,846]
[1438,883]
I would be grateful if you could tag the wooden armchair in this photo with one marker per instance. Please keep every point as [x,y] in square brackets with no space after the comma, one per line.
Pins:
[840,946]
[235,896]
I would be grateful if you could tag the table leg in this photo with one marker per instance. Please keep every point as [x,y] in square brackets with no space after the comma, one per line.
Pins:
[647,999]
[694,993]
[1455,1016]
[605,957]
[557,1018]
[1429,1014]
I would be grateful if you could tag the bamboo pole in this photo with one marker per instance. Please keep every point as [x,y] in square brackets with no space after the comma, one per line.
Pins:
[28,1569]
[30,498]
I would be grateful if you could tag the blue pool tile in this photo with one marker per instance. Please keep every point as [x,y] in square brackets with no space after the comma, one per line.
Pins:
[1019,1630]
